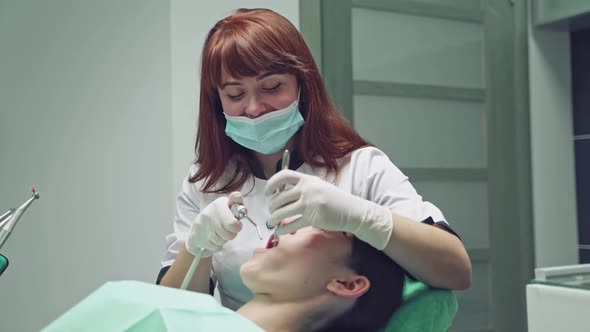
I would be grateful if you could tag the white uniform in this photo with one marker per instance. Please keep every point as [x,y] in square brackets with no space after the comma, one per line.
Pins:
[367,173]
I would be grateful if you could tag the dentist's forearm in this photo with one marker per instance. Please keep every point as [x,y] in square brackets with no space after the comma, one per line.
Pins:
[175,275]
[429,253]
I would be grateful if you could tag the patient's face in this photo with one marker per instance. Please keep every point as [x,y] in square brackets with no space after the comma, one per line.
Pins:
[300,265]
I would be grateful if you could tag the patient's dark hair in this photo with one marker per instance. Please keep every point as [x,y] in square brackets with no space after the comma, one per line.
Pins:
[372,310]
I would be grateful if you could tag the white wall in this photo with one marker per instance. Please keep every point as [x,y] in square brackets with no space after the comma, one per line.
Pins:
[97,109]
[552,148]
[85,116]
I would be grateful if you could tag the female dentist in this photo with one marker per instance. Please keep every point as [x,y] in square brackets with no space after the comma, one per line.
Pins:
[261,93]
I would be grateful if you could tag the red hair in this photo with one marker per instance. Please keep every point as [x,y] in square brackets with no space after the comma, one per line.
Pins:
[248,43]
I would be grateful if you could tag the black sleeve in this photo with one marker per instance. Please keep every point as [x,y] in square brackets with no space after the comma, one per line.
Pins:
[166,268]
[445,226]
[161,274]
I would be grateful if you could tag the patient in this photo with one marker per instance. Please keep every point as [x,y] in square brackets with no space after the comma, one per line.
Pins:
[316,280]
[313,280]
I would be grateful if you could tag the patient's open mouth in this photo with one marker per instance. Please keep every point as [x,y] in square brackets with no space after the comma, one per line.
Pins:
[270,240]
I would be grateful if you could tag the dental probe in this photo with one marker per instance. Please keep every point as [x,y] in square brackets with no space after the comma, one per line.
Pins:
[284,165]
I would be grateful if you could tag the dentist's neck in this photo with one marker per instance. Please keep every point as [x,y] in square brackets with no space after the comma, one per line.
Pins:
[269,161]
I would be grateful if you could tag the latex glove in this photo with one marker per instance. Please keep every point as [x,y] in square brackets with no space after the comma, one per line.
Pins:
[214,226]
[325,206]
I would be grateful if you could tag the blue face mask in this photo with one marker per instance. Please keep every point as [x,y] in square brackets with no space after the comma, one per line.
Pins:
[268,133]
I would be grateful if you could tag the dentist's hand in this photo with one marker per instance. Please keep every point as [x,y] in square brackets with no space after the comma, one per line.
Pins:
[325,206]
[214,226]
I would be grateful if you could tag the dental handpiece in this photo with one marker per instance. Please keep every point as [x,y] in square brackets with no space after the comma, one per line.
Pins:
[240,211]
[284,165]
[9,219]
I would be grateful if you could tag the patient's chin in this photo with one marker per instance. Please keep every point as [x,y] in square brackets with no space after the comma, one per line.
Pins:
[256,278]
[248,273]
[245,270]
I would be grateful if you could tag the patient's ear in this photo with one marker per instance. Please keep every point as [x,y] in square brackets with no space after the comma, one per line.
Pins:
[350,286]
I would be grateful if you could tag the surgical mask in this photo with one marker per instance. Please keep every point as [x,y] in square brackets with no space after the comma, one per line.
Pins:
[268,133]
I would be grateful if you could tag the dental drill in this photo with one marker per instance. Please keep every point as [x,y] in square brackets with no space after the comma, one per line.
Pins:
[240,212]
[8,221]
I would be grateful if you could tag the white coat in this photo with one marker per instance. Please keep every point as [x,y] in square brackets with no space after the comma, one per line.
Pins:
[367,173]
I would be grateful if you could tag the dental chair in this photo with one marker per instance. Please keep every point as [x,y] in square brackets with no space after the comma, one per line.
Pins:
[135,306]
[423,309]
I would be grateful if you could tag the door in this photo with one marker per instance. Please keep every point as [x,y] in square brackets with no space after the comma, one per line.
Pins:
[412,77]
